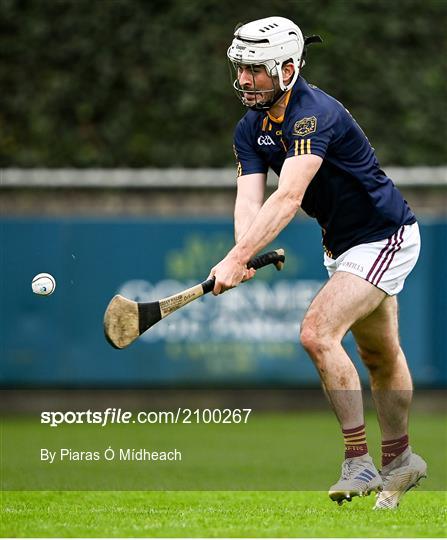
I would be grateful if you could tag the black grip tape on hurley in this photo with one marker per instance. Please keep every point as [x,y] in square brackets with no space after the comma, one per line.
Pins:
[271,257]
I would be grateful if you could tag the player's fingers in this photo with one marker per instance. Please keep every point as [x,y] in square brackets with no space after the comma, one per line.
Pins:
[249,273]
[221,287]
[217,288]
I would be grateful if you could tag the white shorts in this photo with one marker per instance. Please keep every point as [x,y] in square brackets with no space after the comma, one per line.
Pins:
[385,264]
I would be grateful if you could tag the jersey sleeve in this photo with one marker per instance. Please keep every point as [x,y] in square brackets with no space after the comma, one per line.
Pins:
[248,161]
[311,133]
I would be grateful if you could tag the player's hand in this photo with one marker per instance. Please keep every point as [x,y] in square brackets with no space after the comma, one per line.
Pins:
[229,273]
[249,273]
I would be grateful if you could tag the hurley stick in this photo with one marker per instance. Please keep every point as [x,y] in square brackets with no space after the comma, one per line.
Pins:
[125,320]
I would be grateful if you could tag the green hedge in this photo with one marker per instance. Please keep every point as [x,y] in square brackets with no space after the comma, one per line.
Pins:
[145,82]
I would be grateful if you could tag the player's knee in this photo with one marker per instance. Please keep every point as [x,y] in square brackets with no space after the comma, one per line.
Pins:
[369,358]
[380,358]
[307,335]
[313,339]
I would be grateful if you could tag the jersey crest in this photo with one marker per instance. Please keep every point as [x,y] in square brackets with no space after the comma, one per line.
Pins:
[305,126]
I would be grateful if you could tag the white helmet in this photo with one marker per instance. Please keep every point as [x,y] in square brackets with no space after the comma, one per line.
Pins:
[269,42]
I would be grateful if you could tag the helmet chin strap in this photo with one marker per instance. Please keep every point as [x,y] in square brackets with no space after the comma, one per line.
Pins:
[268,104]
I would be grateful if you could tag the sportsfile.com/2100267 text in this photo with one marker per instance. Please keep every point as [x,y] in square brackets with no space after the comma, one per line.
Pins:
[181,415]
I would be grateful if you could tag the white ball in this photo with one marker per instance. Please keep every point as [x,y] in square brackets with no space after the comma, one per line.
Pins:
[43,284]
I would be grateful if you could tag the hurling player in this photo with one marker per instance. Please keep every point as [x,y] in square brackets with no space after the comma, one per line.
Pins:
[327,167]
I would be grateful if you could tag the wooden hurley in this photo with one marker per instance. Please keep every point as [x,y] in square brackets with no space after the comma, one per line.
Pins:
[125,320]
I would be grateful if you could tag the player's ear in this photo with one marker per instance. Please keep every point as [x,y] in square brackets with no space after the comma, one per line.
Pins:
[288,69]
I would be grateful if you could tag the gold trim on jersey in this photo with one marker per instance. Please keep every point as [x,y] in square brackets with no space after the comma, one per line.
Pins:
[266,125]
[302,147]
[280,119]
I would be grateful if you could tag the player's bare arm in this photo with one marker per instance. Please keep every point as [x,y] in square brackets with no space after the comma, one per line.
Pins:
[277,211]
[249,200]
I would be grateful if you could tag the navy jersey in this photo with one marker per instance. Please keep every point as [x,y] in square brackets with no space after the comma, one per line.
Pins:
[350,196]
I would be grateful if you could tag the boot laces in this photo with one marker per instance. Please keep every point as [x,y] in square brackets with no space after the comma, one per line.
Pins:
[350,467]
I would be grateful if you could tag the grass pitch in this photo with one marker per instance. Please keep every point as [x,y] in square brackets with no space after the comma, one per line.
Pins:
[216,514]
[244,513]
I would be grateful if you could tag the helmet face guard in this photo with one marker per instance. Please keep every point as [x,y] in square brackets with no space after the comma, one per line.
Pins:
[264,98]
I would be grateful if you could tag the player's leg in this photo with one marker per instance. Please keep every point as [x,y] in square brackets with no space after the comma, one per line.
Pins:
[345,299]
[377,338]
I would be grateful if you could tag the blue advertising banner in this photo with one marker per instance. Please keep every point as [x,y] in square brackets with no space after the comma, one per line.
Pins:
[248,336]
